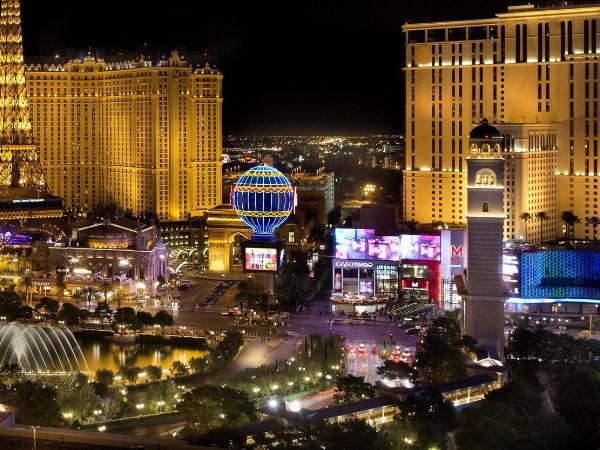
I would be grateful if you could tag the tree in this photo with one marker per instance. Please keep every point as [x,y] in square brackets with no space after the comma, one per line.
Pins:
[103,309]
[348,434]
[443,353]
[105,377]
[163,396]
[27,282]
[229,346]
[153,372]
[178,368]
[350,388]
[126,315]
[594,221]
[438,361]
[208,407]
[293,285]
[577,399]
[511,417]
[251,295]
[36,404]
[144,318]
[542,216]
[570,219]
[426,420]
[60,289]
[526,217]
[395,370]
[119,297]
[76,396]
[10,303]
[106,288]
[130,373]
[10,374]
[163,318]
[87,295]
[69,313]
[49,305]
[199,365]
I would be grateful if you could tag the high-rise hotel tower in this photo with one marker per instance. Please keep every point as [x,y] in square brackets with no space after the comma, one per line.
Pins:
[139,132]
[532,72]
[143,134]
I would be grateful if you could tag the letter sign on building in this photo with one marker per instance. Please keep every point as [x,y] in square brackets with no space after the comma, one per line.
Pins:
[457,250]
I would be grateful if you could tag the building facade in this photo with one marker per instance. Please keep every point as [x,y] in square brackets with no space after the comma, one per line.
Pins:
[531,71]
[144,134]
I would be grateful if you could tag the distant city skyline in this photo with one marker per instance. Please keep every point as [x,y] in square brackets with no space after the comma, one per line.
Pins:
[309,68]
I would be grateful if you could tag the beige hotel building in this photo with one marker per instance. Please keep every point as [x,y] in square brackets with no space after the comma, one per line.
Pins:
[532,72]
[143,134]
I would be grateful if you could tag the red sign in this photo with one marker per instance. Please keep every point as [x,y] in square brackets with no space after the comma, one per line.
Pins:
[457,250]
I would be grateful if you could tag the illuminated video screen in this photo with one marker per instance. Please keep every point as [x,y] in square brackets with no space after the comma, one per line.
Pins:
[356,243]
[561,274]
[384,248]
[352,243]
[418,246]
[260,259]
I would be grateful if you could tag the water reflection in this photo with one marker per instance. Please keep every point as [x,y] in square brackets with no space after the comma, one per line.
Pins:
[110,355]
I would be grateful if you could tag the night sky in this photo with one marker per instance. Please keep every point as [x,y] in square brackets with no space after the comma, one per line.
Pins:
[290,67]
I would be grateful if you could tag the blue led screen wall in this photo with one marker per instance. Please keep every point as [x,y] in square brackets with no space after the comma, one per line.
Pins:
[560,274]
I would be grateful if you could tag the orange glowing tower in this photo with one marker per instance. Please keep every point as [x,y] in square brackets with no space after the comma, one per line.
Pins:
[23,189]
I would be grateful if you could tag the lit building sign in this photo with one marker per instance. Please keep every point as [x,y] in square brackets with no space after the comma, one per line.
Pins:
[353,264]
[260,259]
[510,272]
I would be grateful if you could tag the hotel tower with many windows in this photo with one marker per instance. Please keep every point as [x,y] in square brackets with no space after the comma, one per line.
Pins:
[533,73]
[142,133]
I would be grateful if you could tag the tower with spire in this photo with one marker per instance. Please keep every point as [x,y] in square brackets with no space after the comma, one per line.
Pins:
[23,189]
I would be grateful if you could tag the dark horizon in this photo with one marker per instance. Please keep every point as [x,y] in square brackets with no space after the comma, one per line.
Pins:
[308,69]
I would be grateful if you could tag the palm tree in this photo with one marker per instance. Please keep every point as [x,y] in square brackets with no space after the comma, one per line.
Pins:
[27,283]
[526,218]
[570,219]
[60,289]
[105,288]
[594,221]
[88,294]
[542,216]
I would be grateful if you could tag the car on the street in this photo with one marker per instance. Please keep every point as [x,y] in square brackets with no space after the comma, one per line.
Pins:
[186,284]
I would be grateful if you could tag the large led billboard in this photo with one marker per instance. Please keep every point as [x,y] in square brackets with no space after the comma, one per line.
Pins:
[257,259]
[560,274]
[418,246]
[354,243]
[351,243]
[386,248]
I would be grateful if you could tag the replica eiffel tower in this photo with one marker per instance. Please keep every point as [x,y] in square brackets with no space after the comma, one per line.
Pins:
[23,189]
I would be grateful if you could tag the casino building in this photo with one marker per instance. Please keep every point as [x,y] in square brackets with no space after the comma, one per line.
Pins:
[368,267]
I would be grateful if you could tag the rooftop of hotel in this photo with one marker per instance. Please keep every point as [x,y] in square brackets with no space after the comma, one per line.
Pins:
[512,12]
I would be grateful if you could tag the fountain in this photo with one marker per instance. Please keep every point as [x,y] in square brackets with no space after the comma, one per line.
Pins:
[40,349]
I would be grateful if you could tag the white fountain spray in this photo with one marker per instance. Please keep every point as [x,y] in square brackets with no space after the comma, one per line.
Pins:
[40,349]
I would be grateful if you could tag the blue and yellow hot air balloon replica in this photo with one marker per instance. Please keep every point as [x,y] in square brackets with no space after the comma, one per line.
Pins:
[263,198]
